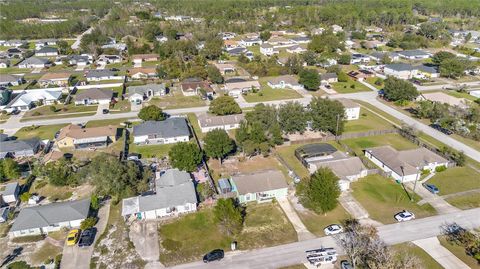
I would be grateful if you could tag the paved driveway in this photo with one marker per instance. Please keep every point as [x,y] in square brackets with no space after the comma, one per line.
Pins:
[302,232]
[144,236]
[434,200]
[442,255]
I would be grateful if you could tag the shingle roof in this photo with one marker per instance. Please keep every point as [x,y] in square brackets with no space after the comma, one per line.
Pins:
[94,94]
[46,50]
[413,53]
[19,145]
[10,189]
[399,67]
[171,127]
[287,79]
[98,73]
[259,182]
[54,213]
[343,167]
[77,132]
[7,78]
[50,76]
[142,89]
[35,60]
[390,157]
[207,120]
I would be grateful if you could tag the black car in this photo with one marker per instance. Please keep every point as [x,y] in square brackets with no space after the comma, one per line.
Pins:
[105,111]
[214,255]
[441,129]
[87,237]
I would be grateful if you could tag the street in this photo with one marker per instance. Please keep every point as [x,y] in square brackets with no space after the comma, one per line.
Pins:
[294,253]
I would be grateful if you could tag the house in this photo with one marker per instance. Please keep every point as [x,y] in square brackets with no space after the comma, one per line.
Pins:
[117,46]
[428,71]
[225,68]
[347,169]
[260,187]
[80,60]
[140,58]
[10,80]
[192,87]
[109,59]
[10,193]
[372,44]
[74,136]
[34,62]
[360,74]
[358,58]
[227,35]
[20,148]
[235,52]
[268,49]
[414,54]
[405,165]
[300,40]
[169,131]
[328,78]
[286,81]
[138,94]
[4,63]
[101,74]
[174,195]
[236,86]
[230,44]
[296,49]
[247,42]
[280,42]
[43,219]
[93,97]
[400,70]
[25,100]
[15,43]
[57,79]
[314,152]
[143,73]
[352,109]
[46,52]
[3,213]
[209,122]
[14,53]
[45,42]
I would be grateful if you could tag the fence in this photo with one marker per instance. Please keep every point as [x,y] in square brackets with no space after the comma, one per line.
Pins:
[331,137]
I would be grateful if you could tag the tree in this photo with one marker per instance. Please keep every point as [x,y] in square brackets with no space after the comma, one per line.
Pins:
[88,223]
[218,144]
[310,79]
[185,156]
[294,65]
[320,191]
[292,117]
[309,57]
[213,48]
[229,216]
[151,112]
[396,89]
[265,35]
[344,59]
[24,197]
[94,203]
[452,68]
[9,169]
[224,105]
[60,173]
[327,115]
[327,42]
[440,56]
[214,74]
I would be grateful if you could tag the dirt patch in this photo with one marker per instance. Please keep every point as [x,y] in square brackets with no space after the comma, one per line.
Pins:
[239,165]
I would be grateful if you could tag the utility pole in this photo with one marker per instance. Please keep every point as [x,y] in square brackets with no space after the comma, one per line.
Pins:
[336,130]
[415,184]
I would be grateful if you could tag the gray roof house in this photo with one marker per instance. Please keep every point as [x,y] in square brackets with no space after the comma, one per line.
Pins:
[20,148]
[138,94]
[174,194]
[10,80]
[34,62]
[328,77]
[400,67]
[99,74]
[94,96]
[51,217]
[414,54]
[10,193]
[169,131]
[46,51]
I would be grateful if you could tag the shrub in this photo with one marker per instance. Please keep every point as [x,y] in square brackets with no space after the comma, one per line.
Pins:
[425,172]
[441,168]
[19,265]
[88,223]
[352,86]
[41,184]
[25,196]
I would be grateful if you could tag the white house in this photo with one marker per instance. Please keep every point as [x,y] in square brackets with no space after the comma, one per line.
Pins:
[101,74]
[414,54]
[46,52]
[25,100]
[109,59]
[169,131]
[209,122]
[352,109]
[286,81]
[260,187]
[268,50]
[4,214]
[4,63]
[347,169]
[406,165]
[143,73]
[138,94]
[174,195]
[10,193]
[34,62]
[358,58]
[247,42]
[94,97]
[48,218]
[236,86]
[296,49]
[400,70]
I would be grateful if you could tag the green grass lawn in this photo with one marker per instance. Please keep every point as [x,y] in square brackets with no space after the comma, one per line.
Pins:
[191,236]
[372,80]
[192,118]
[461,95]
[315,223]
[425,259]
[177,100]
[456,179]
[346,87]
[43,131]
[394,140]
[458,251]
[14,70]
[465,201]
[150,151]
[269,94]
[4,228]
[60,109]
[383,198]
[367,121]
[97,123]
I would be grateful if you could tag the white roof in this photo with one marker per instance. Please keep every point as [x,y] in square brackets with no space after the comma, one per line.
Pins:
[30,96]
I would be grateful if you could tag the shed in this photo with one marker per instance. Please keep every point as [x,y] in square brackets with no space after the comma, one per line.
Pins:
[224,185]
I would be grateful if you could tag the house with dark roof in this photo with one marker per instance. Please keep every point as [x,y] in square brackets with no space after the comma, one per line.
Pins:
[169,131]
[80,60]
[428,71]
[174,195]
[14,53]
[34,62]
[101,74]
[400,70]
[93,97]
[260,186]
[192,87]
[10,80]
[414,54]
[46,52]
[44,219]
[10,193]
[20,148]
[328,78]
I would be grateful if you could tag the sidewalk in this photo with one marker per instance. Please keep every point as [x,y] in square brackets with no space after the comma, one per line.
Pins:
[302,232]
[444,257]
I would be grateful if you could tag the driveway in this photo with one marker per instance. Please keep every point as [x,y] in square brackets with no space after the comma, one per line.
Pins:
[144,236]
[79,258]
[101,107]
[442,255]
[302,232]
[434,200]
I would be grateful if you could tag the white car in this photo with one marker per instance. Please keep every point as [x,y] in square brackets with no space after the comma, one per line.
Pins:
[404,216]
[333,229]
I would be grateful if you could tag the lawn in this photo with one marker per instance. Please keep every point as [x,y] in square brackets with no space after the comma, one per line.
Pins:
[461,95]
[269,94]
[42,131]
[150,151]
[4,117]
[59,193]
[46,252]
[383,198]
[456,179]
[458,251]
[394,140]
[371,81]
[425,259]
[60,109]
[177,100]
[346,87]
[191,236]
[367,121]
[4,228]
[192,118]
[465,201]
[97,123]
[315,223]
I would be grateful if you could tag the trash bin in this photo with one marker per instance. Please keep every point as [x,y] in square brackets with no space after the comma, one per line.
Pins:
[233,245]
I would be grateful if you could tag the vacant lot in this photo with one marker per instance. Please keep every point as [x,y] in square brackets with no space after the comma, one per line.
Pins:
[456,179]
[60,109]
[465,201]
[191,236]
[350,86]
[426,261]
[235,165]
[46,252]
[394,140]
[368,121]
[315,223]
[383,199]
[42,131]
[269,94]
[177,100]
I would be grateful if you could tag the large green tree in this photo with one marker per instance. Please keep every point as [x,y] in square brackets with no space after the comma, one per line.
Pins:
[213,48]
[152,112]
[453,67]
[214,74]
[218,144]
[310,79]
[224,105]
[229,216]
[440,56]
[9,169]
[327,115]
[327,42]
[60,173]
[292,117]
[396,89]
[185,156]
[320,191]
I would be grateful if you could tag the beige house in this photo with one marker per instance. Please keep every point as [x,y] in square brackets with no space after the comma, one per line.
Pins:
[57,79]
[74,136]
[209,122]
[139,58]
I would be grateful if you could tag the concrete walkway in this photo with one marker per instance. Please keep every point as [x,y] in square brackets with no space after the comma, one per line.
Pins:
[444,257]
[353,207]
[144,236]
[302,231]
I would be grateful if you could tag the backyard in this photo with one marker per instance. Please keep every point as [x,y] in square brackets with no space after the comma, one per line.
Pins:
[394,140]
[456,179]
[151,151]
[383,198]
[234,165]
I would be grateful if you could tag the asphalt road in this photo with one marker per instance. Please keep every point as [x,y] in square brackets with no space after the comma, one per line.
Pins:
[294,253]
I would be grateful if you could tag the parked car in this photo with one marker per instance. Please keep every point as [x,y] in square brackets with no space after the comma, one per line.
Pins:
[346,265]
[333,229]
[105,111]
[404,216]
[72,237]
[87,237]
[431,188]
[214,255]
[441,129]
